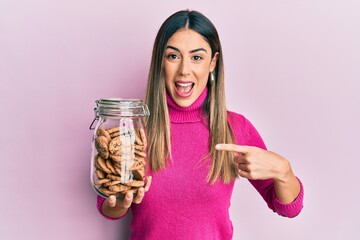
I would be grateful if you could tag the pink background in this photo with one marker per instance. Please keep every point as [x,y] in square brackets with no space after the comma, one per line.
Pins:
[292,67]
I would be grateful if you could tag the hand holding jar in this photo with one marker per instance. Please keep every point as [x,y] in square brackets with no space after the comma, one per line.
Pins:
[115,208]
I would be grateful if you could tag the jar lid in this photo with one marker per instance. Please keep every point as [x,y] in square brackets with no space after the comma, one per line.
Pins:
[117,107]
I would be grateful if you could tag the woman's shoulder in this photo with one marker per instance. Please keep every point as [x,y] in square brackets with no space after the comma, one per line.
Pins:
[244,131]
[234,117]
[238,122]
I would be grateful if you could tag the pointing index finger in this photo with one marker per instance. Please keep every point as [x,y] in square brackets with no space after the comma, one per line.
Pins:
[231,147]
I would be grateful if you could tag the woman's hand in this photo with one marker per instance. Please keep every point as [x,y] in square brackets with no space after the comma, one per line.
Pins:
[258,164]
[115,209]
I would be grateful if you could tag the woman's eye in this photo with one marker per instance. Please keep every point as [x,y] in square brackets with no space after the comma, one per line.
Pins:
[197,58]
[172,56]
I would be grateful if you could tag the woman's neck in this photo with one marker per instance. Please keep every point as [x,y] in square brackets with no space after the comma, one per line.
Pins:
[192,113]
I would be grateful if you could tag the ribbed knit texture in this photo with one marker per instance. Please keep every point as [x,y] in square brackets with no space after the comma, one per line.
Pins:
[180,203]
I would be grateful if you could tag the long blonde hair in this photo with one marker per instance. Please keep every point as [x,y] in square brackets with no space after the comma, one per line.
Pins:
[158,124]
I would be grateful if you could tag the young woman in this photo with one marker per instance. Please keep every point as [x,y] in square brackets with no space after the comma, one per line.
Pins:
[196,147]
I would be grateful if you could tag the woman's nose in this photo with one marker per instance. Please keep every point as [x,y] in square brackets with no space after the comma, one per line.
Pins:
[184,68]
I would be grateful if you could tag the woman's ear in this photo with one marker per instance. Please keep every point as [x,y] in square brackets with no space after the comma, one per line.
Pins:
[214,61]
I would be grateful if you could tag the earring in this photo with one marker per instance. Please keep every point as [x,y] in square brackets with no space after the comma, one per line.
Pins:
[212,77]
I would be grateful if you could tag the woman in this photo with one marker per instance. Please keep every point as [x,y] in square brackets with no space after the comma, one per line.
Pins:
[196,147]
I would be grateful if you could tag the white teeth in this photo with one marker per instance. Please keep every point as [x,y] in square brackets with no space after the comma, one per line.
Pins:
[184,84]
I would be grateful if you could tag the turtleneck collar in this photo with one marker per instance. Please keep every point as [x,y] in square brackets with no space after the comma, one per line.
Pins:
[192,113]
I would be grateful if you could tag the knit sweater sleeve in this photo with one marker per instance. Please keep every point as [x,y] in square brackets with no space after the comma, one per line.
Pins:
[246,134]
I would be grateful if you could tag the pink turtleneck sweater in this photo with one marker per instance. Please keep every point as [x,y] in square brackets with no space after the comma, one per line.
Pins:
[180,203]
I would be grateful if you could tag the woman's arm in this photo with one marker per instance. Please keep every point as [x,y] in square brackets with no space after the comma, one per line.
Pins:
[287,186]
[271,175]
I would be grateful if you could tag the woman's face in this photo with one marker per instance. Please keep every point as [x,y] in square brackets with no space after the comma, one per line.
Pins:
[187,64]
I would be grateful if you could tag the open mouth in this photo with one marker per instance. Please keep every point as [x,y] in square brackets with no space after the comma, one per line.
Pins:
[184,88]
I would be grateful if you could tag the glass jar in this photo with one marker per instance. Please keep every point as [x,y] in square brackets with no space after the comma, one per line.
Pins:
[119,146]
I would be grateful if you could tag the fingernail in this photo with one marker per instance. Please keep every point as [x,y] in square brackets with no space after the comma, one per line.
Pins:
[128,196]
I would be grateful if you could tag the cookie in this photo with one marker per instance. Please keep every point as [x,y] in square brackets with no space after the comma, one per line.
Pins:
[118,171]
[135,183]
[110,166]
[106,191]
[102,181]
[101,144]
[111,183]
[100,174]
[97,166]
[139,147]
[119,188]
[103,132]
[115,146]
[142,154]
[143,137]
[102,163]
[113,130]
[115,134]
[139,174]
[116,158]
[137,165]
[138,139]
[117,165]
[113,177]
[140,160]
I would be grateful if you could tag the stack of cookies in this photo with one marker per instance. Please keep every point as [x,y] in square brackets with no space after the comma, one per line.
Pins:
[120,160]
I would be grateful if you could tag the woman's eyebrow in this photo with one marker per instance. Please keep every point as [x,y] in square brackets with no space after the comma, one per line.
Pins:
[173,48]
[198,50]
[192,51]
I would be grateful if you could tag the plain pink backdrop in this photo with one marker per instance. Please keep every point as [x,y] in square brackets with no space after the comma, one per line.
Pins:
[292,67]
